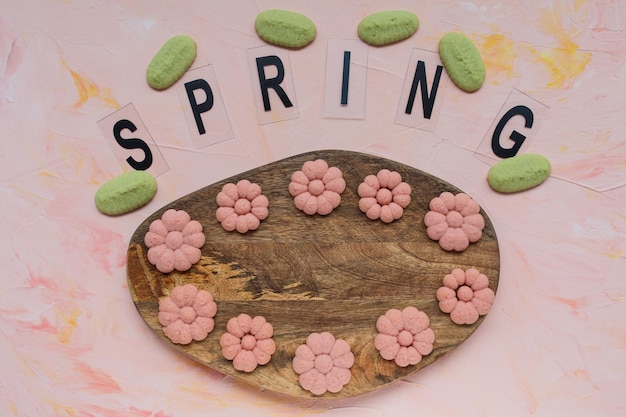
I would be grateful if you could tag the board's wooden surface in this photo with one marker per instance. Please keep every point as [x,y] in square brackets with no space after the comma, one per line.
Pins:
[305,274]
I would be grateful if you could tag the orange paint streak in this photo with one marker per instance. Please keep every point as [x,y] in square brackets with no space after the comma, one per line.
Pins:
[573,304]
[87,90]
[531,400]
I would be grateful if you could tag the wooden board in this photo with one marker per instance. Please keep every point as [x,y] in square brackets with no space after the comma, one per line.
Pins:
[305,274]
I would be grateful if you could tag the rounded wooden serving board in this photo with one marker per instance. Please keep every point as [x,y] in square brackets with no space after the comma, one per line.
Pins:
[305,274]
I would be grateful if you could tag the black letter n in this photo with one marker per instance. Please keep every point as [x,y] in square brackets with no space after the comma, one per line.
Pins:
[428,100]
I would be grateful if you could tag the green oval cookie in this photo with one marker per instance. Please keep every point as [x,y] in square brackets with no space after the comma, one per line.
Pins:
[171,61]
[519,173]
[462,61]
[383,28]
[285,28]
[126,192]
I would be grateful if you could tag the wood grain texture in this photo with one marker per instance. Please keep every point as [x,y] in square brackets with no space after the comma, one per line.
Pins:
[305,274]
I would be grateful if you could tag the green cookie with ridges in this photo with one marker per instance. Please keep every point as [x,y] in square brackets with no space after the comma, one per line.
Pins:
[462,61]
[171,61]
[384,28]
[519,173]
[126,192]
[285,28]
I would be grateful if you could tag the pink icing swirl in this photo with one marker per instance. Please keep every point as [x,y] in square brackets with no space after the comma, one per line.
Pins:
[454,220]
[248,342]
[174,241]
[404,336]
[241,206]
[384,196]
[317,187]
[323,363]
[465,295]
[187,314]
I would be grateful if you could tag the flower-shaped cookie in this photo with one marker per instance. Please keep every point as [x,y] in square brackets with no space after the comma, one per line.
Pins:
[384,196]
[323,363]
[454,220]
[241,206]
[187,314]
[248,342]
[465,295]
[404,336]
[317,188]
[174,241]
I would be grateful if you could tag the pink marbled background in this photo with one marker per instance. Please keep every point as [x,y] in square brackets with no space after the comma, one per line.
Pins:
[71,341]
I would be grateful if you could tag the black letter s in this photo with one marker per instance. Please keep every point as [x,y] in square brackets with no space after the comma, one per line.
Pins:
[132,143]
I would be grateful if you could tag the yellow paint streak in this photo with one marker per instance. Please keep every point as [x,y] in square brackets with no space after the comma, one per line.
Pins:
[579,3]
[70,318]
[567,61]
[201,392]
[62,410]
[13,408]
[79,159]
[498,55]
[615,254]
[564,65]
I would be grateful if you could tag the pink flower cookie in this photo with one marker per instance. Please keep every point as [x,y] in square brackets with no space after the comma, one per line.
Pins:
[174,241]
[323,363]
[465,295]
[242,206]
[454,220]
[317,188]
[384,196]
[404,336]
[248,342]
[187,314]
